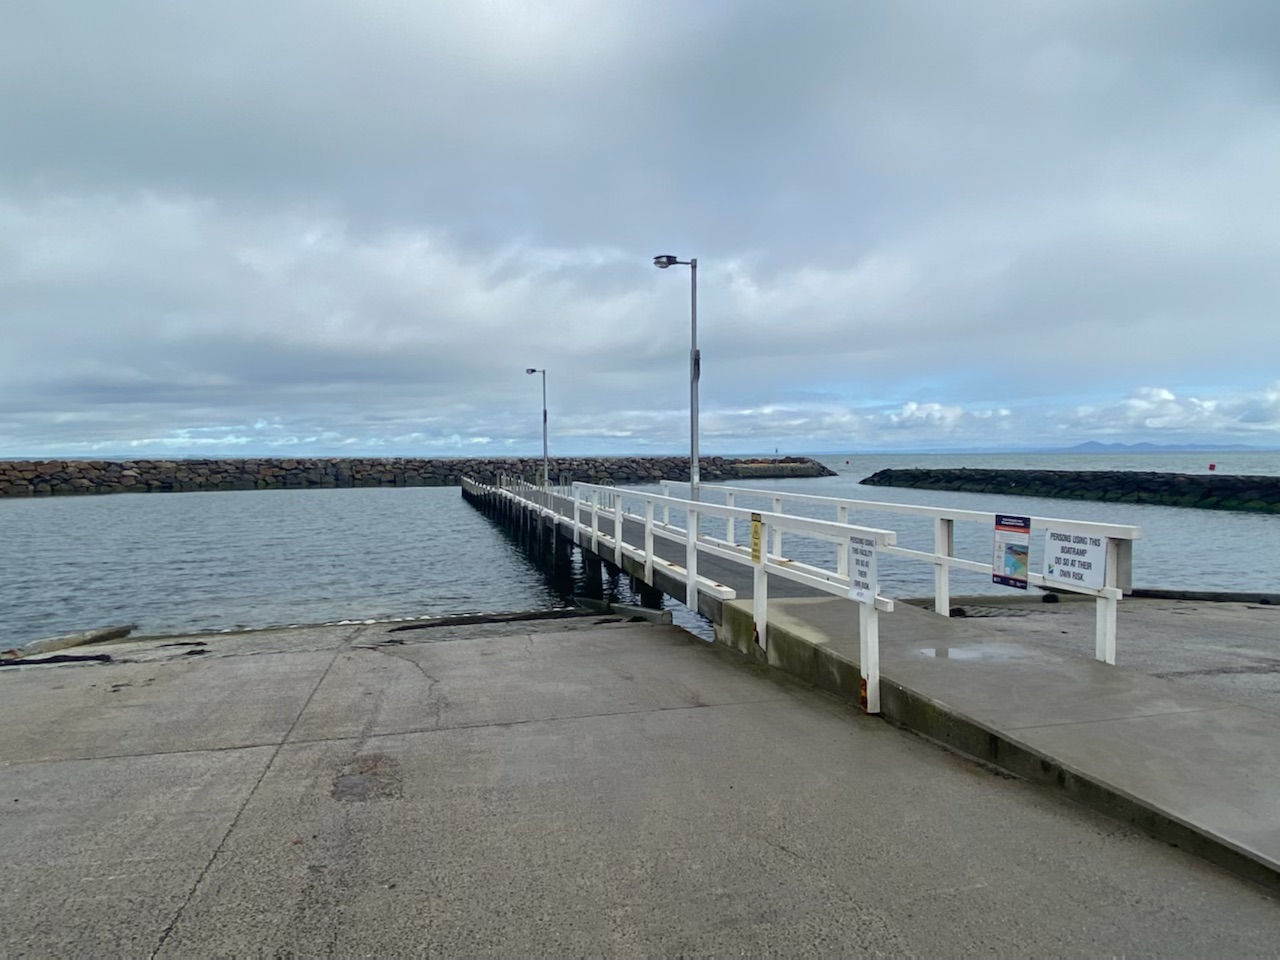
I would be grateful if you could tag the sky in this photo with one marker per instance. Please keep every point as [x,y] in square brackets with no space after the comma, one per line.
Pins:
[347,227]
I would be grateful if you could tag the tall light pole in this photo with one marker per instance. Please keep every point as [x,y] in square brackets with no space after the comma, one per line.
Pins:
[546,476]
[695,362]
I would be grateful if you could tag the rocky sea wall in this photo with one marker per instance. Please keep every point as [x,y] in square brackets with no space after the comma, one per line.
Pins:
[43,478]
[1205,492]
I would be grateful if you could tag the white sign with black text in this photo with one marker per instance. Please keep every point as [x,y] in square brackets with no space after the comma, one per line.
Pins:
[1075,559]
[862,569]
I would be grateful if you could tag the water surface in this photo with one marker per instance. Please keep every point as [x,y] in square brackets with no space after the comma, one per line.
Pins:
[214,561]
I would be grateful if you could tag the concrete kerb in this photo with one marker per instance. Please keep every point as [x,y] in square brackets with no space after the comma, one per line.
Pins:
[708,606]
[627,610]
[1211,596]
[640,613]
[840,676]
[395,624]
[785,650]
[953,730]
[69,641]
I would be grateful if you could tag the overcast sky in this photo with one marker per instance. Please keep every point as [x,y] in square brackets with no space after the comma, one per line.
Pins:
[347,226]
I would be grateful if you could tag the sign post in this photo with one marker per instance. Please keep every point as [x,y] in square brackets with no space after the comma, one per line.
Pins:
[863,589]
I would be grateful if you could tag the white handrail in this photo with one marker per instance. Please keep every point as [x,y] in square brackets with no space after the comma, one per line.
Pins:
[833,582]
[597,500]
[606,502]
[1119,549]
[1117,530]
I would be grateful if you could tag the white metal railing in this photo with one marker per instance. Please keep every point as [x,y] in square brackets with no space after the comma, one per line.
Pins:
[1118,567]
[857,545]
[601,502]
[535,492]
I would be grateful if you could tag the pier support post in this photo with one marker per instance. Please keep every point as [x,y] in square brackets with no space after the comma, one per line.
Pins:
[563,555]
[594,570]
[650,597]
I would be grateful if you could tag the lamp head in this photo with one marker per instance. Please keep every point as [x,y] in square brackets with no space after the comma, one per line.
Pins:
[530,370]
[664,261]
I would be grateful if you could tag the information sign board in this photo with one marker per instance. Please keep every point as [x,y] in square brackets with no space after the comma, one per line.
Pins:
[1012,551]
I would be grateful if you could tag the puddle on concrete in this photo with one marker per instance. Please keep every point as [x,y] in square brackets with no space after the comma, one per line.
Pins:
[985,651]
[372,777]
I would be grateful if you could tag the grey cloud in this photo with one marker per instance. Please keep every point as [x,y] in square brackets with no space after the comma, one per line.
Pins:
[358,223]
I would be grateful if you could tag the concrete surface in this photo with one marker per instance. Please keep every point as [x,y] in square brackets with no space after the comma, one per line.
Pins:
[557,787]
[1227,650]
[1180,740]
[1191,767]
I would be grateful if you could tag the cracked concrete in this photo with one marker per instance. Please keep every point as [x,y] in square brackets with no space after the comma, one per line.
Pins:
[560,787]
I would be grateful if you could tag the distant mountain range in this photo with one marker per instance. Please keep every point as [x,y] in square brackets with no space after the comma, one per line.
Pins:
[1093,446]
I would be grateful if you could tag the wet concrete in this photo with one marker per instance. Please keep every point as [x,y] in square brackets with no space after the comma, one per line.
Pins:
[561,788]
[1188,766]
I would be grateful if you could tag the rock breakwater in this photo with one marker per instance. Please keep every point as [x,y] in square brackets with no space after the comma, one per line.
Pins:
[42,478]
[1205,492]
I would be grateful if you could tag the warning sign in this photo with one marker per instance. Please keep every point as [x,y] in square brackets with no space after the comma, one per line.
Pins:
[755,537]
[1075,559]
[862,569]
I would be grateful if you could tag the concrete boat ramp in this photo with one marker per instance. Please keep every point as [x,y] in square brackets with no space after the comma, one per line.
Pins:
[1184,744]
[585,786]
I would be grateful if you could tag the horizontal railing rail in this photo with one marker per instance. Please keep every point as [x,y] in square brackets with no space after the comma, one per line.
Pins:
[1118,539]
[597,517]
[598,514]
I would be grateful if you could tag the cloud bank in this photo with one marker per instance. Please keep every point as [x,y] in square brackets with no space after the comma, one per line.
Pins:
[349,227]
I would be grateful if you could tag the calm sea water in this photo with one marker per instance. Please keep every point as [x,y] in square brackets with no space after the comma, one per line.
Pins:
[214,561]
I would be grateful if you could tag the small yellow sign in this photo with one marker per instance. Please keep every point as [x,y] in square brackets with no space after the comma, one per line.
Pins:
[756,527]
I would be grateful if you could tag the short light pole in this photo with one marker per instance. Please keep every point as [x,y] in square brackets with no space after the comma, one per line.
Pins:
[695,362]
[546,476]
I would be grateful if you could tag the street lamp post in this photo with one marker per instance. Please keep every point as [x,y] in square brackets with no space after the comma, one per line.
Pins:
[546,476]
[695,362]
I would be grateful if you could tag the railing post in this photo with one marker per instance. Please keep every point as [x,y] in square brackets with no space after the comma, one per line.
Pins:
[842,550]
[869,642]
[944,544]
[760,595]
[1105,631]
[1123,565]
[577,516]
[595,521]
[691,560]
[648,542]
[728,524]
[617,530]
[666,507]
[1105,627]
[777,533]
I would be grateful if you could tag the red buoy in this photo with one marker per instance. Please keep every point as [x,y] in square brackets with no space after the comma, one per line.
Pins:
[1213,466]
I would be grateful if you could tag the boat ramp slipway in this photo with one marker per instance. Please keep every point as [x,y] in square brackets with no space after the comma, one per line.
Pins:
[592,782]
